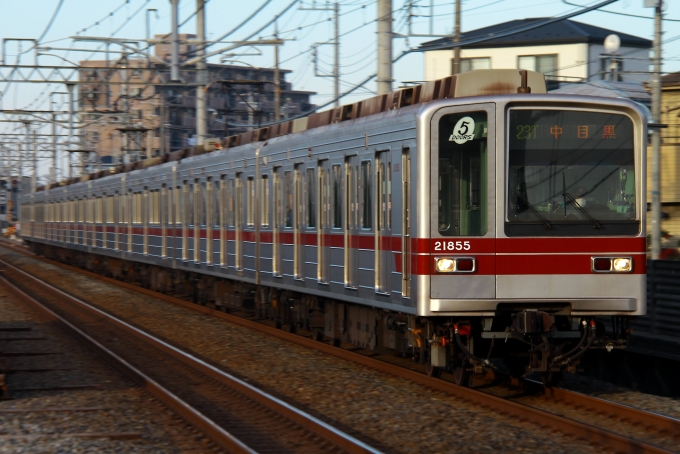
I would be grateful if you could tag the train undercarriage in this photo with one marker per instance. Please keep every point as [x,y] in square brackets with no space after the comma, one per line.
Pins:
[518,340]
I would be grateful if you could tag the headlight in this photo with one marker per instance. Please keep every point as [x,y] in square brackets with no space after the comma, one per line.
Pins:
[612,264]
[446,265]
[623,265]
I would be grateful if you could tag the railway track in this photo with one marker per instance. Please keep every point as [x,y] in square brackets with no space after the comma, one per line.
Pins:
[237,416]
[611,425]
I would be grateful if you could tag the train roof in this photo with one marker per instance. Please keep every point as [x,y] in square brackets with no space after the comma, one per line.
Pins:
[473,83]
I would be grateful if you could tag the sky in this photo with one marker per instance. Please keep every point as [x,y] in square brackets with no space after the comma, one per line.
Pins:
[299,26]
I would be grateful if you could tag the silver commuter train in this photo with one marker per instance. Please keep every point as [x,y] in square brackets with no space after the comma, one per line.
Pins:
[435,228]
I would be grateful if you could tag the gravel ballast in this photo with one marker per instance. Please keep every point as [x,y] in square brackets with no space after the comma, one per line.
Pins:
[100,411]
[399,415]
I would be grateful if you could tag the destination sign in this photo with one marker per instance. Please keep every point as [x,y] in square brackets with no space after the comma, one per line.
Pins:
[561,129]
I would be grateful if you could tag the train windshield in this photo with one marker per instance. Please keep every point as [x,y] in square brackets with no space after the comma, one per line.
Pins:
[570,173]
[462,178]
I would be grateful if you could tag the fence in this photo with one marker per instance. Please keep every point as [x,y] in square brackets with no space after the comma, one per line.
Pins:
[663,300]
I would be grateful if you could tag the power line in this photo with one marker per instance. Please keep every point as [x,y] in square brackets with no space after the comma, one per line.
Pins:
[622,14]
[105,17]
[54,16]
[263,6]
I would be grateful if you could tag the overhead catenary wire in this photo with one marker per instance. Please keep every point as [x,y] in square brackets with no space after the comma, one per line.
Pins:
[509,32]
[622,14]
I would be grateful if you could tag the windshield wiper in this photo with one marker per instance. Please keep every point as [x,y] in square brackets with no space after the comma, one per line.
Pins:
[580,209]
[546,223]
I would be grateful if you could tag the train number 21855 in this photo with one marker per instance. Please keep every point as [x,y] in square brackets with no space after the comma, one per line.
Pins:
[451,245]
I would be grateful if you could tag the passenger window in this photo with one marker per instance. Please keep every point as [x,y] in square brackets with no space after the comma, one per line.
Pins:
[288,183]
[311,213]
[157,206]
[337,200]
[250,191]
[366,195]
[137,219]
[109,209]
[216,195]
[230,206]
[167,217]
[178,207]
[389,195]
[100,217]
[264,202]
[202,196]
[189,204]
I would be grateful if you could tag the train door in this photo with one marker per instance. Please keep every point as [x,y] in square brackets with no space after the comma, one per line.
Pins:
[383,228]
[336,257]
[298,244]
[199,212]
[238,222]
[405,223]
[462,209]
[278,223]
[223,201]
[164,219]
[214,231]
[146,219]
[187,219]
[287,237]
[351,224]
[206,257]
[323,222]
[129,211]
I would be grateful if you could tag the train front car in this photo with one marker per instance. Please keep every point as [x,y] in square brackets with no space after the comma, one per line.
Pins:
[536,225]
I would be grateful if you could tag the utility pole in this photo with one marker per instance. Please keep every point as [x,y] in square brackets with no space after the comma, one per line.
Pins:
[162,126]
[20,163]
[656,135]
[27,124]
[336,41]
[174,65]
[456,40]
[34,178]
[336,65]
[384,46]
[53,178]
[126,109]
[70,88]
[251,110]
[201,75]
[148,31]
[277,82]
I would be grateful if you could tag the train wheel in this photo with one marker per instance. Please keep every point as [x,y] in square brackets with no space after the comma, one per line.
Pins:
[461,376]
[317,335]
[433,371]
[551,379]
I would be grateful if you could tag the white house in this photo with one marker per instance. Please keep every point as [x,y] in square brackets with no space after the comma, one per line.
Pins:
[565,51]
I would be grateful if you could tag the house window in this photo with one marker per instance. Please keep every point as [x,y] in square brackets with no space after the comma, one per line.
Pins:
[544,64]
[471,64]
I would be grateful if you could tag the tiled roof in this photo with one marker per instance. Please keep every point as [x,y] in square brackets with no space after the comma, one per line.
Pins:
[562,32]
[670,80]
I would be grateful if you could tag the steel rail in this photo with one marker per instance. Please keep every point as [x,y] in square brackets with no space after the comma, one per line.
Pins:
[219,435]
[216,433]
[643,418]
[542,418]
